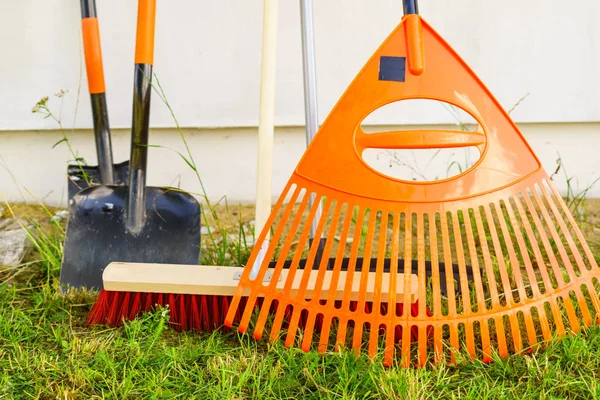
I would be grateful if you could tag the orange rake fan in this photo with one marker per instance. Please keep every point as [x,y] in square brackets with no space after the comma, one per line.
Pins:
[533,274]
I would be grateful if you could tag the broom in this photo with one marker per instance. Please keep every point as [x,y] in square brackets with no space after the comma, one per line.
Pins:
[533,274]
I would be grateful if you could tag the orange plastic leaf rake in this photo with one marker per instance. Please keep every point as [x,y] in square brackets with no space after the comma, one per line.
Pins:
[523,269]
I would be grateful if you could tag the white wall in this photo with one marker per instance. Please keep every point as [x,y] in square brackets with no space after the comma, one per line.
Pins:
[207,60]
[226,159]
[208,56]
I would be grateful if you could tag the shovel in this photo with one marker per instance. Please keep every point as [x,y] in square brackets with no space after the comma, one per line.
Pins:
[131,223]
[107,173]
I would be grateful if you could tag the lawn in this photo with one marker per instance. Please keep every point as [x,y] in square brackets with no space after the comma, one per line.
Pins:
[46,352]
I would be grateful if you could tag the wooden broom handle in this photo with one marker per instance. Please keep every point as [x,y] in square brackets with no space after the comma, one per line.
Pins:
[220,281]
[266,118]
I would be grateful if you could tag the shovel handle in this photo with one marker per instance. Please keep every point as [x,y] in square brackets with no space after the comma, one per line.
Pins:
[142,88]
[95,75]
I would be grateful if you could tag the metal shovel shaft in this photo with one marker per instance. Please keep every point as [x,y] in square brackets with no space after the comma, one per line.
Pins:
[102,137]
[139,147]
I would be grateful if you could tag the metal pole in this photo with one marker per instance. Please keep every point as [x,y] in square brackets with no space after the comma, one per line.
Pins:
[410,7]
[310,85]
[136,210]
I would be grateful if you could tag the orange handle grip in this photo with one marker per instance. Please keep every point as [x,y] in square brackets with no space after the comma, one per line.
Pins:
[144,44]
[414,44]
[93,55]
[421,139]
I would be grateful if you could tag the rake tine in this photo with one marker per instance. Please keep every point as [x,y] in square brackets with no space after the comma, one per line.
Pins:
[300,297]
[565,230]
[533,282]
[260,274]
[545,242]
[391,309]
[464,283]
[376,311]
[316,296]
[557,240]
[341,335]
[567,213]
[452,312]
[364,277]
[285,292]
[406,328]
[276,273]
[422,305]
[324,339]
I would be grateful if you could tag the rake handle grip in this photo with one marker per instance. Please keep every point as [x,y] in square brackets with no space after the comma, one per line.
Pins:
[419,139]
[95,75]
[414,44]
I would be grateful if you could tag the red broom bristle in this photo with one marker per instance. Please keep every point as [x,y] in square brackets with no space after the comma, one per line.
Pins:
[98,311]
[171,300]
[135,306]
[123,310]
[205,313]
[147,303]
[183,315]
[114,306]
[195,314]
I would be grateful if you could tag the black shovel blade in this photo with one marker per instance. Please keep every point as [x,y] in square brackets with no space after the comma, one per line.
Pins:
[83,176]
[97,233]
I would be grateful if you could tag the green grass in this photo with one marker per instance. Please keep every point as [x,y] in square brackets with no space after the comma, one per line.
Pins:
[46,352]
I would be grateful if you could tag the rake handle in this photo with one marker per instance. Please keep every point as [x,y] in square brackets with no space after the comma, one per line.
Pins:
[95,75]
[410,7]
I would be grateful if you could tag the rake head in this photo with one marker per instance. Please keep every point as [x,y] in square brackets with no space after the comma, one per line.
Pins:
[525,272]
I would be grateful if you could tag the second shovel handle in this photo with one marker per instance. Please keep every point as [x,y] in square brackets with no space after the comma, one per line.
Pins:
[142,89]
[95,76]
[144,44]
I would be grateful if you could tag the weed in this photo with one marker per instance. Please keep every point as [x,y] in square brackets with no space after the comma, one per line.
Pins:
[43,108]
[574,198]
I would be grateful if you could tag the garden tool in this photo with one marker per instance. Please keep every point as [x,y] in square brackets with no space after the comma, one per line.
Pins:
[199,298]
[107,173]
[201,306]
[533,273]
[135,222]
